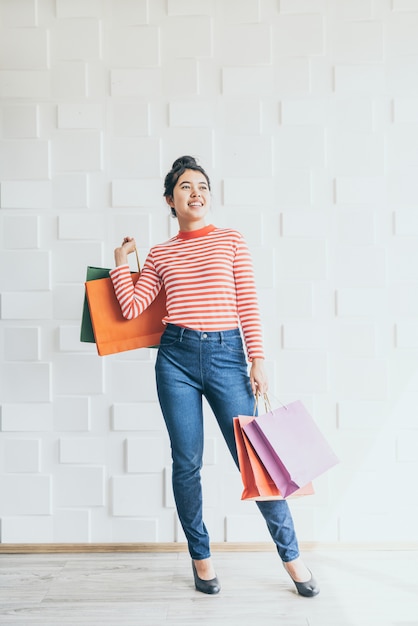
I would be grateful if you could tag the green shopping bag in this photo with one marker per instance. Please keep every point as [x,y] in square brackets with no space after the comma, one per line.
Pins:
[86,332]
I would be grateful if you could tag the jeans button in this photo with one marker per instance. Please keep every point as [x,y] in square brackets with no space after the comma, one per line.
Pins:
[204,336]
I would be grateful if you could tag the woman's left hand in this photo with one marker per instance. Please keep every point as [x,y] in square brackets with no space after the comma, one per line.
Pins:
[258,377]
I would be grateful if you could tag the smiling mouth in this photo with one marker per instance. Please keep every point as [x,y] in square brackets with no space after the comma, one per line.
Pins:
[195,204]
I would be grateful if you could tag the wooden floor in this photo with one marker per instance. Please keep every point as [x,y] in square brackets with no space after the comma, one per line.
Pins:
[358,588]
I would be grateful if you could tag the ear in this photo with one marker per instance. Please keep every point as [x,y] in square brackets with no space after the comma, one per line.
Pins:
[170,201]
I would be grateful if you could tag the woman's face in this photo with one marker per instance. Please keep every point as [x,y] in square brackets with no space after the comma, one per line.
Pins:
[191,199]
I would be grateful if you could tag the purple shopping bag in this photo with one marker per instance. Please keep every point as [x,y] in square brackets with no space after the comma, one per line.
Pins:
[291,446]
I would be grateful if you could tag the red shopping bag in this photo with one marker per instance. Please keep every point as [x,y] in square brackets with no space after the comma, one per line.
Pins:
[290,446]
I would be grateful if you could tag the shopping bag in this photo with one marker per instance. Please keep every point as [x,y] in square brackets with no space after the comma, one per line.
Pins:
[290,446]
[257,482]
[86,331]
[112,332]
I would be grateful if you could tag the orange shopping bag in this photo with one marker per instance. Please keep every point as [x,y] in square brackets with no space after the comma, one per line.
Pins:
[112,332]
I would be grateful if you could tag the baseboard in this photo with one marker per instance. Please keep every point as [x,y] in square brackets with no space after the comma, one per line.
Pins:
[77,548]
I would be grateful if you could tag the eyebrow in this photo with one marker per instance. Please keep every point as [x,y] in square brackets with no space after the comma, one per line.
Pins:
[202,182]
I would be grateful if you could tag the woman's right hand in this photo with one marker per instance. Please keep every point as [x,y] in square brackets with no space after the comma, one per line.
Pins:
[121,254]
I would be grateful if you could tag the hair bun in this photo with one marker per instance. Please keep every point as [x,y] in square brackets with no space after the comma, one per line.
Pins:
[184,161]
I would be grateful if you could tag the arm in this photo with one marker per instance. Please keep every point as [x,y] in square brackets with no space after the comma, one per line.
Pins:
[248,311]
[133,299]
[247,301]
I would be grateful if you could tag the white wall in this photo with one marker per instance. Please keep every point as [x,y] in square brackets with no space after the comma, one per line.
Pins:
[305,114]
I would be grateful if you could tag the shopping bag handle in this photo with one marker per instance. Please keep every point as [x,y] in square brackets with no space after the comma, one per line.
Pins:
[267,404]
[266,400]
[137,260]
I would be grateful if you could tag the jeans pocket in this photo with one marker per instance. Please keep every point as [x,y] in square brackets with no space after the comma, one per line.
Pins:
[169,338]
[233,344]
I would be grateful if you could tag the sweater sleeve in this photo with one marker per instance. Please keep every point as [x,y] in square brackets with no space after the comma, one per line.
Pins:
[247,302]
[135,298]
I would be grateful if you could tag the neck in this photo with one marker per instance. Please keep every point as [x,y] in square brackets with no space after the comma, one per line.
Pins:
[186,226]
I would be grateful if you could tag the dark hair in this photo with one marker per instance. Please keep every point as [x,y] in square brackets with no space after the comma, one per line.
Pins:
[180,165]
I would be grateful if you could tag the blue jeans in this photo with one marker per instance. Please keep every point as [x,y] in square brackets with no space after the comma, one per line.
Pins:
[192,364]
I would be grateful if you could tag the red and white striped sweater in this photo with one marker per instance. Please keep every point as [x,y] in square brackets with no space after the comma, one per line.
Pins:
[209,282]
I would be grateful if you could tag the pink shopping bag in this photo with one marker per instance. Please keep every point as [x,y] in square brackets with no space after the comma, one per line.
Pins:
[290,446]
[257,483]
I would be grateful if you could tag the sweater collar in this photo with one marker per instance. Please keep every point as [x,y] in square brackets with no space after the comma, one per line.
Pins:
[192,234]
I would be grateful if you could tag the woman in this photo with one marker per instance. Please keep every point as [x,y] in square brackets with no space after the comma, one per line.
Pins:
[208,278]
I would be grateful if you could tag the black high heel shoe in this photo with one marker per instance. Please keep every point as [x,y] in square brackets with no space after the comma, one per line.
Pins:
[211,586]
[308,589]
